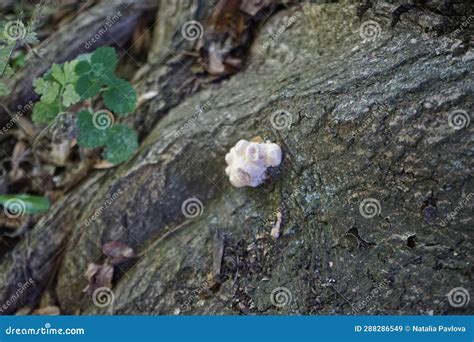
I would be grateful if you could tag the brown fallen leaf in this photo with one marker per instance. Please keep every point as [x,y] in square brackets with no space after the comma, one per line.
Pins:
[98,276]
[103,165]
[117,252]
[143,98]
[60,152]
[227,34]
[17,157]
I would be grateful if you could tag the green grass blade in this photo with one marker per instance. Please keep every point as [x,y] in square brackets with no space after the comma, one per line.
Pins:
[18,205]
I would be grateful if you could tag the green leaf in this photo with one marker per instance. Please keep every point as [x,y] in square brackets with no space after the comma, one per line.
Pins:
[51,94]
[31,38]
[45,113]
[49,90]
[110,79]
[4,89]
[19,60]
[83,67]
[69,71]
[87,87]
[84,57]
[6,50]
[89,135]
[18,205]
[41,86]
[58,74]
[105,56]
[107,77]
[70,96]
[122,143]
[121,98]
[8,71]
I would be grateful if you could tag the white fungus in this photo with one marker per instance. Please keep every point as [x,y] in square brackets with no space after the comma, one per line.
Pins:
[248,162]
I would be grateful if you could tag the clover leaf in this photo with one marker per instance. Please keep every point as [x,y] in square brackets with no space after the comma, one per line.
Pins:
[120,98]
[122,142]
[88,87]
[89,75]
[45,113]
[105,56]
[89,134]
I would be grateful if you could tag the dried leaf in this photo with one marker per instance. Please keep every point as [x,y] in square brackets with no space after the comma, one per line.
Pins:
[215,64]
[103,165]
[17,156]
[146,97]
[60,152]
[98,276]
[117,251]
[227,35]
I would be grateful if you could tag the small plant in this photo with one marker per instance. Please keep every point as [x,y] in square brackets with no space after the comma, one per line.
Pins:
[88,77]
[11,33]
[6,50]
[5,69]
